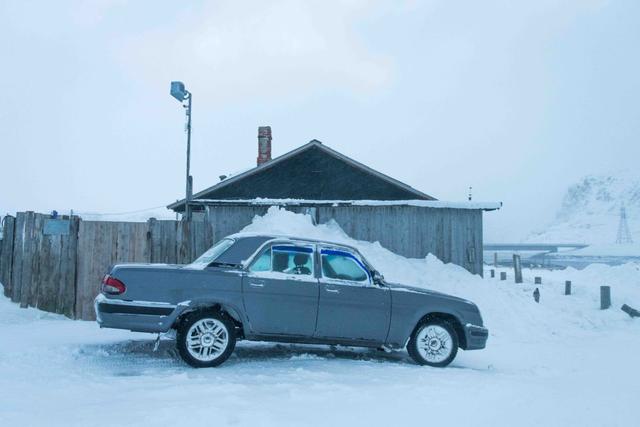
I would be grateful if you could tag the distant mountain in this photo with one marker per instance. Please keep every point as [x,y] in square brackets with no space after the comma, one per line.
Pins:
[590,211]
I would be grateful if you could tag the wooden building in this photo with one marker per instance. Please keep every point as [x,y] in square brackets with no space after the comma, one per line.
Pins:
[367,204]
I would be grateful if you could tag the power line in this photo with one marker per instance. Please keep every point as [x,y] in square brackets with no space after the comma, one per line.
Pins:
[120,213]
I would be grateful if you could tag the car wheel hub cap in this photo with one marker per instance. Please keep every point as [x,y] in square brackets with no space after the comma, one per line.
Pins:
[207,339]
[434,343]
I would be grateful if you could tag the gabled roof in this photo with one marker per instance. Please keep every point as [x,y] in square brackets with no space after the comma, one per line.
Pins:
[363,181]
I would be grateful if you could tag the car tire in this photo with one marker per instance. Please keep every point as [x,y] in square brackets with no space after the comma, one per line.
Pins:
[206,339]
[433,343]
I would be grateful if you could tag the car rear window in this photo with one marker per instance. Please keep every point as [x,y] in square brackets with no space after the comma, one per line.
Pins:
[241,250]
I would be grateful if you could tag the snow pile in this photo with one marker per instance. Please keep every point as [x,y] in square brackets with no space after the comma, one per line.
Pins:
[590,211]
[624,281]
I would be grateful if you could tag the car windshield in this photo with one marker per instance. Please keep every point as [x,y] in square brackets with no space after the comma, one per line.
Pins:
[209,256]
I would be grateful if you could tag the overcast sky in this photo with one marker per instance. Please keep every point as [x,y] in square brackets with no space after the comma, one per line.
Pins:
[517,99]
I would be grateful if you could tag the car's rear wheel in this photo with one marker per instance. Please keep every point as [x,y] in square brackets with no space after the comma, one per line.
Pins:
[433,343]
[206,339]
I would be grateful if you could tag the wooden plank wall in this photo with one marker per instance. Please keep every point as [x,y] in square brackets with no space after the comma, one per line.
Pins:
[453,235]
[38,269]
[225,220]
[62,273]
[6,253]
[101,245]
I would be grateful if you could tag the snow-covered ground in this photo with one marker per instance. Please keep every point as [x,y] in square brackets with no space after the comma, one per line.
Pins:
[562,362]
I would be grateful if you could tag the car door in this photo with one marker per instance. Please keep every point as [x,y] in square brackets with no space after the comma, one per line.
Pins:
[351,306]
[280,290]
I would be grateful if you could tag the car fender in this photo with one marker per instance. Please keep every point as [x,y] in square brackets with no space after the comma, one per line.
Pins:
[229,307]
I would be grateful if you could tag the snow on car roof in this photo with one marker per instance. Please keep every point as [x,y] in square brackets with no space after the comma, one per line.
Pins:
[275,236]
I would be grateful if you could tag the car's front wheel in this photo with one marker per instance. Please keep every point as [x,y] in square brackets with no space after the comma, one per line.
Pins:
[433,343]
[206,339]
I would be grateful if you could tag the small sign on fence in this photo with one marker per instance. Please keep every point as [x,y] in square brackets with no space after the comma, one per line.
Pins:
[56,227]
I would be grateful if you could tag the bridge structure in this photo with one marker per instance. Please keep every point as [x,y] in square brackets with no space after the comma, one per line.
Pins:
[533,247]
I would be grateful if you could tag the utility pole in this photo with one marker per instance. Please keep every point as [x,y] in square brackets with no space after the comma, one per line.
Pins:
[179,92]
[189,177]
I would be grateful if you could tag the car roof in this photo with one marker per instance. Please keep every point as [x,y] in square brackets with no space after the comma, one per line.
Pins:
[273,236]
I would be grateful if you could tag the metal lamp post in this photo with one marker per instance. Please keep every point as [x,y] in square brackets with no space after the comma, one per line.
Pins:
[179,92]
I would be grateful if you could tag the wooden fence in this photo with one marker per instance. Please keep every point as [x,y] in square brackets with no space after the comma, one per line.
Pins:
[56,265]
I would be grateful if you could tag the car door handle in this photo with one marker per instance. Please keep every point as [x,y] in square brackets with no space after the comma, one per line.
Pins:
[332,290]
[256,285]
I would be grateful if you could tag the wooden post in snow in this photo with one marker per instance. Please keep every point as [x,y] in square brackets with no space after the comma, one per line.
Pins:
[567,287]
[537,280]
[495,259]
[493,273]
[517,268]
[503,275]
[605,297]
[630,311]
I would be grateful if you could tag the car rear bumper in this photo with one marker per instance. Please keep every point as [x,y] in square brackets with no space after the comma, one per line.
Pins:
[138,316]
[476,336]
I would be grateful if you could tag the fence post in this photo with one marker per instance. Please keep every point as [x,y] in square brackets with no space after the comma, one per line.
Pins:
[537,280]
[493,273]
[605,297]
[6,256]
[495,259]
[567,287]
[503,275]
[517,268]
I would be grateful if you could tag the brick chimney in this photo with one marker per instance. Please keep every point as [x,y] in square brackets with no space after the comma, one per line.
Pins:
[264,144]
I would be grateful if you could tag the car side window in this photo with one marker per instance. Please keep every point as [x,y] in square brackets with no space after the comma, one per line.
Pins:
[292,259]
[342,265]
[287,259]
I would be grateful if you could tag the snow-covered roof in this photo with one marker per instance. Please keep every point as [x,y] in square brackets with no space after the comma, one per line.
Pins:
[487,206]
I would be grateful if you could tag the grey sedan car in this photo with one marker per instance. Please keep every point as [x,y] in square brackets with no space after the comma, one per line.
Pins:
[285,289]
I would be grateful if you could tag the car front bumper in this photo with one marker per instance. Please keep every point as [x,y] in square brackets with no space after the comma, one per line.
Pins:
[138,316]
[476,336]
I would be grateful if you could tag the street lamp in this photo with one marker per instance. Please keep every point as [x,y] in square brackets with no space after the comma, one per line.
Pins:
[179,92]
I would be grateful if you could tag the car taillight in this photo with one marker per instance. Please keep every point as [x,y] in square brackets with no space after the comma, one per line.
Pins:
[112,286]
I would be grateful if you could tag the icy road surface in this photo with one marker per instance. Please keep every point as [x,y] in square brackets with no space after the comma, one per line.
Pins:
[55,371]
